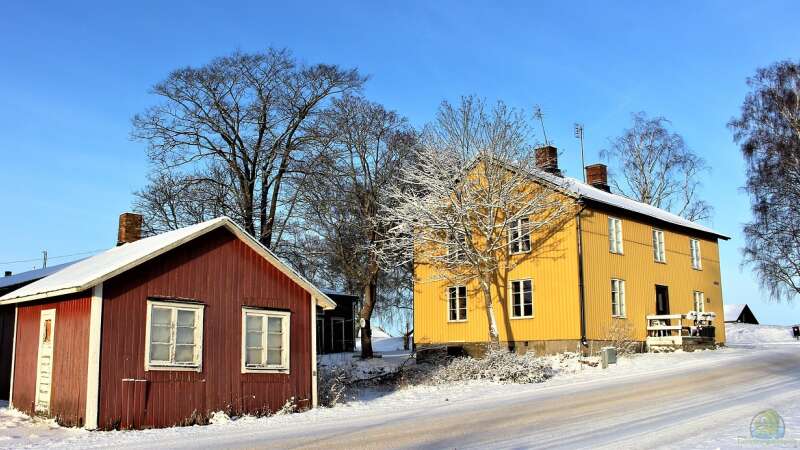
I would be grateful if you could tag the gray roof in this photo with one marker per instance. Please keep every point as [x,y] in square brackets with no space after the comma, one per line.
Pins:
[33,275]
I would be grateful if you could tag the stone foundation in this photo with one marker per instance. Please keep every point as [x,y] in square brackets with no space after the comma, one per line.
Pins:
[478,349]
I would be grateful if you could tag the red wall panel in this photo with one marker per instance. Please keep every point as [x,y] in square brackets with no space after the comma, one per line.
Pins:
[224,274]
[70,357]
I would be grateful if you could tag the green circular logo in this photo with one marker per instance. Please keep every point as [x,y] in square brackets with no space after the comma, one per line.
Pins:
[767,425]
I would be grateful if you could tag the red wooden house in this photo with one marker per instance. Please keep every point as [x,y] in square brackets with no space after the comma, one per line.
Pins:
[164,330]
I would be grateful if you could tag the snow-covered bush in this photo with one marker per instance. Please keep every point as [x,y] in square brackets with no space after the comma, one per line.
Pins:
[332,382]
[621,336]
[499,366]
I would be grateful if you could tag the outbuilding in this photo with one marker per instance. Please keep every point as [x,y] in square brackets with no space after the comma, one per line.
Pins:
[739,314]
[165,330]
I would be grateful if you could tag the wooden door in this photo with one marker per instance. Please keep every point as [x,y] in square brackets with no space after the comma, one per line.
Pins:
[44,365]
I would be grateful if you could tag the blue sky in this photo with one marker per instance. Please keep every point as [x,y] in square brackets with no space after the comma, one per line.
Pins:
[73,73]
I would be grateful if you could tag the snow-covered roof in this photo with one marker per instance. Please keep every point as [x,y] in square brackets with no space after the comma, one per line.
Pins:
[32,275]
[583,190]
[732,312]
[94,270]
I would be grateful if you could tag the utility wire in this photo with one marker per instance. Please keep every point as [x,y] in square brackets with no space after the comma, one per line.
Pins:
[52,257]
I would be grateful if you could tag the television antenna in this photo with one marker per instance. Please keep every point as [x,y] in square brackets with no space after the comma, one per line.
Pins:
[539,115]
[579,135]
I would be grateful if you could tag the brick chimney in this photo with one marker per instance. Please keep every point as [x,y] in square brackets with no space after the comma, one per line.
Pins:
[547,159]
[597,176]
[130,228]
[7,274]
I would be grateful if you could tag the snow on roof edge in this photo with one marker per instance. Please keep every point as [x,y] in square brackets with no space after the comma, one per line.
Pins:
[105,265]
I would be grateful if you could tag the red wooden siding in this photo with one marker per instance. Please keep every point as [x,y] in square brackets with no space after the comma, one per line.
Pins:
[224,274]
[70,357]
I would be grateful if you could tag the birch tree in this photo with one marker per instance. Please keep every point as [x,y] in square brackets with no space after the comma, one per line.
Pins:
[768,131]
[469,196]
[654,165]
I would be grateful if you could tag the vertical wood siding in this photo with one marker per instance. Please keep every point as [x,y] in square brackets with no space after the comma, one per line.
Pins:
[70,357]
[642,273]
[224,274]
[552,265]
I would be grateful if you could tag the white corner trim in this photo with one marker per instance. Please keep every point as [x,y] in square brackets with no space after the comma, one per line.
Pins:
[313,352]
[13,358]
[93,371]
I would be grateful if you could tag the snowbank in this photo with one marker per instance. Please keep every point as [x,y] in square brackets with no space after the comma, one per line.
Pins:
[747,334]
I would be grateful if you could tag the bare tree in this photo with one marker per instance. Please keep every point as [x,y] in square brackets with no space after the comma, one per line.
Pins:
[768,131]
[654,165]
[365,145]
[247,115]
[470,195]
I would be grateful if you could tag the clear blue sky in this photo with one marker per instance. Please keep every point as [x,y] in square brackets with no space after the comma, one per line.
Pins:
[72,74]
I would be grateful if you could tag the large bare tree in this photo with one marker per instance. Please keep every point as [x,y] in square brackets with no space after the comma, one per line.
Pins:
[654,165]
[235,130]
[364,148]
[469,196]
[768,131]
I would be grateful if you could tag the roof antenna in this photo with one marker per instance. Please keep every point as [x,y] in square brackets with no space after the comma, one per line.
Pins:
[538,114]
[579,135]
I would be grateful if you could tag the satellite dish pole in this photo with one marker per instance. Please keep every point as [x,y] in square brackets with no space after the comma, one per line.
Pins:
[579,135]
[538,114]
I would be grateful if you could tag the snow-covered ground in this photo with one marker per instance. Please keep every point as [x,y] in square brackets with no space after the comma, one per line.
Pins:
[703,399]
[747,334]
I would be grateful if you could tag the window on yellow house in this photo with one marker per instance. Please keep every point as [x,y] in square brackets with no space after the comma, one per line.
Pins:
[694,246]
[519,236]
[617,297]
[521,299]
[699,301]
[659,254]
[614,235]
[457,303]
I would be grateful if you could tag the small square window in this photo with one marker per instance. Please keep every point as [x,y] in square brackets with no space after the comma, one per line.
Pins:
[174,336]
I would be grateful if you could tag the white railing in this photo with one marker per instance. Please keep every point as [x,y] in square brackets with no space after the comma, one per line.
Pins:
[671,329]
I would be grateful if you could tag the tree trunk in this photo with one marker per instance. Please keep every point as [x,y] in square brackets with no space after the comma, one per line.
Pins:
[366,312]
[494,335]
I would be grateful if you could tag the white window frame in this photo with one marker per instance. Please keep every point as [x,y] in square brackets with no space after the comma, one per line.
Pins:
[265,314]
[615,236]
[618,306]
[194,366]
[694,248]
[659,248]
[522,299]
[699,299]
[458,318]
[523,236]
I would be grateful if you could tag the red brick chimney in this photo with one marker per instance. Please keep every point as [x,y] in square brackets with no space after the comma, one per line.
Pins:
[597,176]
[547,159]
[130,228]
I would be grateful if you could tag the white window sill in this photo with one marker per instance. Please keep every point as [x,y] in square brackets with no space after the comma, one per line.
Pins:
[457,321]
[163,368]
[265,370]
[521,317]
[618,317]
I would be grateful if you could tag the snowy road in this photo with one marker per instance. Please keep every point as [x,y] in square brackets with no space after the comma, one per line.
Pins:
[699,400]
[703,406]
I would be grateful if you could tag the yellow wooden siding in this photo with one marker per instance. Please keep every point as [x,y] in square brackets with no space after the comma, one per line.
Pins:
[637,266]
[553,267]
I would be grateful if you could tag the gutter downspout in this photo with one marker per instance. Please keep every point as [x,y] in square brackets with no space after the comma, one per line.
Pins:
[581,295]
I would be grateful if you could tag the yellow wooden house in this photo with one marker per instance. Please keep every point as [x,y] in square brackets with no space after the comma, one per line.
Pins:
[610,266]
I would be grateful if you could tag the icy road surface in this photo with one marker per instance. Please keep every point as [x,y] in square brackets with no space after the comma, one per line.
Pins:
[698,400]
